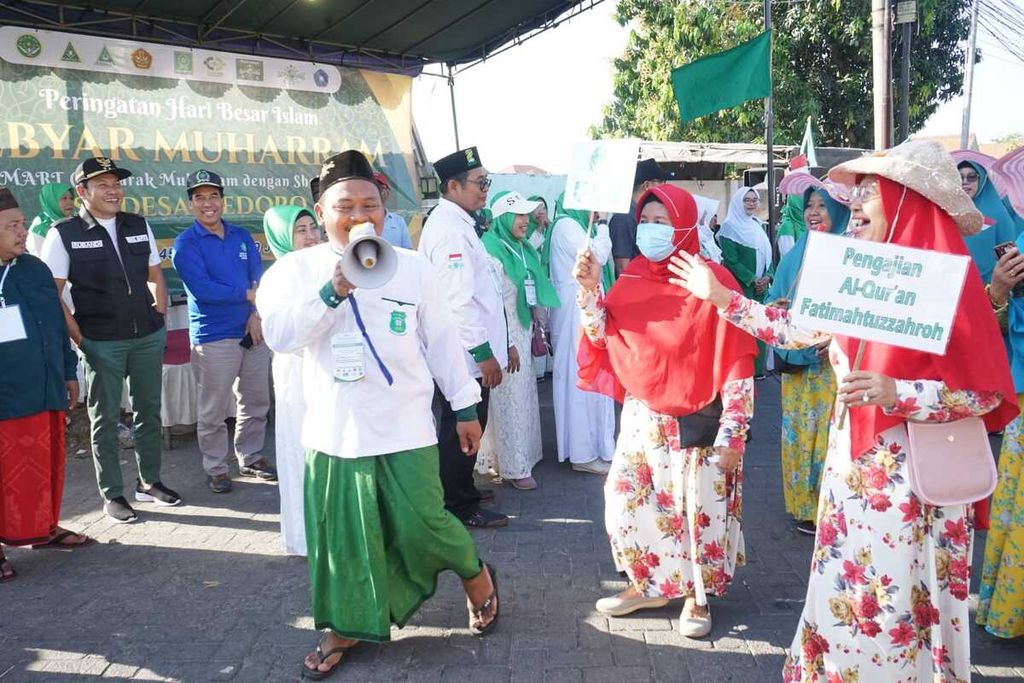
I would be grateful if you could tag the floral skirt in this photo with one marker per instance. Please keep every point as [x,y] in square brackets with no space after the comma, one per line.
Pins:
[887,593]
[807,400]
[1001,597]
[673,518]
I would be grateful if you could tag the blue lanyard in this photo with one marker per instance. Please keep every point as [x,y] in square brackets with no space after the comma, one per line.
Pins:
[369,342]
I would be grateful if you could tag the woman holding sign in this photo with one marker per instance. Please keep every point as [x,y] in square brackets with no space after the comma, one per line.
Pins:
[887,597]
[808,385]
[683,376]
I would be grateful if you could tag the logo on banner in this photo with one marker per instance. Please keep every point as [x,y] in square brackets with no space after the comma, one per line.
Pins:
[105,58]
[70,54]
[215,65]
[321,78]
[249,70]
[182,62]
[291,75]
[142,59]
[28,46]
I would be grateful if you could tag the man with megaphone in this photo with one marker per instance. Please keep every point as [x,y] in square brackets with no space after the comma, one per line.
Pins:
[375,333]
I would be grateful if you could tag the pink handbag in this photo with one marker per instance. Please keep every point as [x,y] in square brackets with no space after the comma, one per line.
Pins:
[539,344]
[951,463]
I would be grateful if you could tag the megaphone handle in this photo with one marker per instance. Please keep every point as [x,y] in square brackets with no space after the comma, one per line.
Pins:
[369,342]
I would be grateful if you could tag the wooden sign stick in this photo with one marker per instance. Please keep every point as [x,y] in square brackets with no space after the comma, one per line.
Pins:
[856,367]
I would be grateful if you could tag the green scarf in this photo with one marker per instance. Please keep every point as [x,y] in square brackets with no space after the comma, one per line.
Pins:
[49,208]
[792,221]
[279,227]
[519,259]
[581,217]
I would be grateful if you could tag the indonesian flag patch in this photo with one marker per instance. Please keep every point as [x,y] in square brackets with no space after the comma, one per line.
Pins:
[455,260]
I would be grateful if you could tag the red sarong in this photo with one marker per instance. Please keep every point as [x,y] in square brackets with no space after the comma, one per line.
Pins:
[31,477]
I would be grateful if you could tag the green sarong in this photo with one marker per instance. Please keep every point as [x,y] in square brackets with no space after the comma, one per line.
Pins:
[378,536]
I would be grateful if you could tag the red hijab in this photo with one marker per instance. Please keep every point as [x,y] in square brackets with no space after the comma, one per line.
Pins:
[974,358]
[664,345]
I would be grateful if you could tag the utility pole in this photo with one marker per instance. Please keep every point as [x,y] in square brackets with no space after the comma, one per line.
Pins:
[769,135]
[880,72]
[972,41]
[455,118]
[906,15]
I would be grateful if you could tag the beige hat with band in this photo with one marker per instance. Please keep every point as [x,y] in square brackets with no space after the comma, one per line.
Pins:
[926,168]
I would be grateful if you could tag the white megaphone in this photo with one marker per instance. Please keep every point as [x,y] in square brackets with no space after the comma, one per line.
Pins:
[368,261]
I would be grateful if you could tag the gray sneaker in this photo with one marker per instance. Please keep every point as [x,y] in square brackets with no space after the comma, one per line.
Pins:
[219,483]
[261,469]
[119,510]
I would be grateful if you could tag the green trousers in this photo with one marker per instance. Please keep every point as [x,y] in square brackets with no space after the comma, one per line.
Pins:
[378,536]
[107,365]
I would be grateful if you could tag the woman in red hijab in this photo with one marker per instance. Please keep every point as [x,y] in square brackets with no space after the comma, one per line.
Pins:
[888,591]
[684,377]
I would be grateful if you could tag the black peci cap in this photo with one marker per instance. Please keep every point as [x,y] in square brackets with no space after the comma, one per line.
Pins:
[458,162]
[347,165]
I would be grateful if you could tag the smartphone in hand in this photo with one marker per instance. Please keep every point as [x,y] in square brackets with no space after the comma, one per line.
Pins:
[246,342]
[1000,249]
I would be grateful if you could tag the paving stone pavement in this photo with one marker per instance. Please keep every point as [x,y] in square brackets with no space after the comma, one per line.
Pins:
[203,592]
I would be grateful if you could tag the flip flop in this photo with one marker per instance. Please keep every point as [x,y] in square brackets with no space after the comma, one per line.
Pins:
[477,612]
[317,674]
[4,562]
[57,541]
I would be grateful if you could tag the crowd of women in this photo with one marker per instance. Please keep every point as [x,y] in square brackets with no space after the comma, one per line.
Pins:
[678,340]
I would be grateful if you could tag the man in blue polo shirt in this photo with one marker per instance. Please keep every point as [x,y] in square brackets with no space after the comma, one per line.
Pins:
[220,266]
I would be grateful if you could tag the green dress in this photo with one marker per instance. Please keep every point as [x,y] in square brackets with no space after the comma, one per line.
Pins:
[741,261]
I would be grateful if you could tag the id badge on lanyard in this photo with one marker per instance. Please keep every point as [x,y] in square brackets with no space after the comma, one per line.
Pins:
[348,355]
[530,288]
[12,325]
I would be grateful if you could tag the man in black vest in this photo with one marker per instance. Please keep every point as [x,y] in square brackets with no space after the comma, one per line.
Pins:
[109,257]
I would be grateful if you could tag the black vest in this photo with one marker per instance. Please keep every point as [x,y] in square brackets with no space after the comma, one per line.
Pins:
[111,296]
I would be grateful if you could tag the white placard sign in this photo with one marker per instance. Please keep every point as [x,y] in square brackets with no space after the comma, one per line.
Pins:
[601,175]
[879,292]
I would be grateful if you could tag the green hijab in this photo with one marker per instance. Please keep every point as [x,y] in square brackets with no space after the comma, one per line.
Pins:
[792,220]
[279,226]
[581,217]
[519,259]
[49,208]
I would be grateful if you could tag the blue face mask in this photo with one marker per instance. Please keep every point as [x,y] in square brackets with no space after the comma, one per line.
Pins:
[655,241]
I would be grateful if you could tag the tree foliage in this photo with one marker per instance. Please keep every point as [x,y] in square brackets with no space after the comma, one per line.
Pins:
[821,68]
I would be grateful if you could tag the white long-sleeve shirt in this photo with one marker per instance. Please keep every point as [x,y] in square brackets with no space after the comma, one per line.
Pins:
[412,330]
[468,280]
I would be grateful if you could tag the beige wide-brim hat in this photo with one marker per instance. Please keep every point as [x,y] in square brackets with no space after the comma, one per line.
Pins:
[926,168]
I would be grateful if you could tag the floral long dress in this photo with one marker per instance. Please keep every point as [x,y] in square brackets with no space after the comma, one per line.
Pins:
[1001,596]
[888,587]
[807,399]
[672,517]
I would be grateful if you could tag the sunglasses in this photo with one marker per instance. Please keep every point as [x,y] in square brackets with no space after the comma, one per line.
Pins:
[970,178]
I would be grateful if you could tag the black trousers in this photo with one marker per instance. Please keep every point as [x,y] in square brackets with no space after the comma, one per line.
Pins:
[461,496]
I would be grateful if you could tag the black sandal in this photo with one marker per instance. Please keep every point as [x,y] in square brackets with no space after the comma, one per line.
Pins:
[6,564]
[58,541]
[477,613]
[316,674]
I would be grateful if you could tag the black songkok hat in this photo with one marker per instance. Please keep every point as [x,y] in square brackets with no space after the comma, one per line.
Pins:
[314,188]
[348,165]
[459,162]
[90,168]
[648,169]
[7,200]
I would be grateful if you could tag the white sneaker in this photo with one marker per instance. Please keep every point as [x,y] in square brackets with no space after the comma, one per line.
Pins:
[595,466]
[694,626]
[616,606]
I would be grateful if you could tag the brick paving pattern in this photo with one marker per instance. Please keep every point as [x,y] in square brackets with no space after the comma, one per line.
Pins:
[203,593]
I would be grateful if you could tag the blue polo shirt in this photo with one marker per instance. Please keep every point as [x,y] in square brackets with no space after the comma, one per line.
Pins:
[216,273]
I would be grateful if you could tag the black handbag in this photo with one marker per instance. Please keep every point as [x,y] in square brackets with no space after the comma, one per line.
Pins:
[700,429]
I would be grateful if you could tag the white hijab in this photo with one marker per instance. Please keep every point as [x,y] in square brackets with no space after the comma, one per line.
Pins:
[706,208]
[747,230]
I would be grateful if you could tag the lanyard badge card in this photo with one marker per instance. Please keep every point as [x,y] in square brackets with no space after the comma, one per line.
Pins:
[348,357]
[12,325]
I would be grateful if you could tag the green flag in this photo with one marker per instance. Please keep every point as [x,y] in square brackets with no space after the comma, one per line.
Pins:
[725,79]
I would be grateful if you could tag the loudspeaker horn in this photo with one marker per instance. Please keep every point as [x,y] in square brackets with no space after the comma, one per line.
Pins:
[369,261]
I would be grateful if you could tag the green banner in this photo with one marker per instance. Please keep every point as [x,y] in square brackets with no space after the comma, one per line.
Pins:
[265,142]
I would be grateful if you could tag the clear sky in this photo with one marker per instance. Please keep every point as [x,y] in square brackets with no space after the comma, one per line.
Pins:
[529,104]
